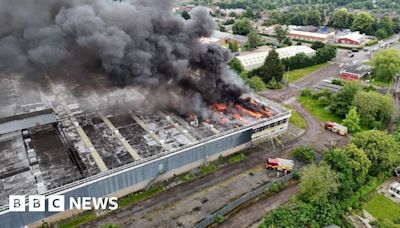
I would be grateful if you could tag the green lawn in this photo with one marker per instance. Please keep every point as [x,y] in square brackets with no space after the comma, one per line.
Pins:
[382,208]
[318,111]
[139,196]
[295,75]
[77,220]
[380,83]
[296,119]
[236,158]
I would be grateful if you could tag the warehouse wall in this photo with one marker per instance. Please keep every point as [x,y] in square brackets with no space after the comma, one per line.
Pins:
[137,175]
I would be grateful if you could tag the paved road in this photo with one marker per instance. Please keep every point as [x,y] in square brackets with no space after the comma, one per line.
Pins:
[180,192]
[294,89]
[246,218]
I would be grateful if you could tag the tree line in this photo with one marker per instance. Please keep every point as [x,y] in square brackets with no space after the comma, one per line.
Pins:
[339,182]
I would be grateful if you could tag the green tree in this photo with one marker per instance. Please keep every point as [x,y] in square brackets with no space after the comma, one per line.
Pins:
[314,17]
[318,183]
[381,148]
[272,68]
[280,33]
[341,19]
[241,27]
[185,15]
[256,83]
[232,14]
[364,22]
[381,34]
[373,107]
[253,40]
[304,153]
[317,45]
[386,64]
[221,28]
[248,13]
[325,54]
[386,24]
[230,21]
[236,65]
[352,120]
[233,46]
[352,166]
[342,101]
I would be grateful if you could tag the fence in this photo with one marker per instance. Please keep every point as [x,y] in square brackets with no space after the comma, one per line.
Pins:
[243,199]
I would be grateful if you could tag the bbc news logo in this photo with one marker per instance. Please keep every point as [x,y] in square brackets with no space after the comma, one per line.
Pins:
[56,203]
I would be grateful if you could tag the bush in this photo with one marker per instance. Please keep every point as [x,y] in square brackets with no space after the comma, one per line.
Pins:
[306,92]
[219,219]
[236,158]
[275,187]
[323,100]
[317,45]
[304,153]
[372,42]
[337,82]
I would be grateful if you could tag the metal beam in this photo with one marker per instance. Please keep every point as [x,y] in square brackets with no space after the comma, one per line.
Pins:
[97,158]
[177,126]
[124,143]
[213,129]
[154,136]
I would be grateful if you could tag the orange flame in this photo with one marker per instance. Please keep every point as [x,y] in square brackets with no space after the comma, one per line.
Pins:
[219,107]
[248,112]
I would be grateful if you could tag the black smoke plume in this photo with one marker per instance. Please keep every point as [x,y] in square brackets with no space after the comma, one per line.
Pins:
[137,43]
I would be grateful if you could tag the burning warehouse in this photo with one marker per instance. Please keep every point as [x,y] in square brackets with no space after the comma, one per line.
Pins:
[93,107]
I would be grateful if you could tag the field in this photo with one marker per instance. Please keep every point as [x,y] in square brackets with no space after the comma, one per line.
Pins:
[318,111]
[296,119]
[382,208]
[295,75]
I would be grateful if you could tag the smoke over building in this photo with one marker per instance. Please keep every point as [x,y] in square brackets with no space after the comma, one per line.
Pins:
[139,43]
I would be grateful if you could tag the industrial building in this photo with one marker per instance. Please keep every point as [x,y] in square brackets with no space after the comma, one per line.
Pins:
[56,143]
[310,36]
[354,38]
[355,71]
[256,59]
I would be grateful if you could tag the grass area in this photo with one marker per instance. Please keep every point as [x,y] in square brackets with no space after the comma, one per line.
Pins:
[77,220]
[295,75]
[139,196]
[187,177]
[382,208]
[380,83]
[296,119]
[318,111]
[236,158]
[205,169]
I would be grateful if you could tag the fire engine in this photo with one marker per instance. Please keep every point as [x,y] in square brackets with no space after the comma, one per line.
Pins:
[280,164]
[336,128]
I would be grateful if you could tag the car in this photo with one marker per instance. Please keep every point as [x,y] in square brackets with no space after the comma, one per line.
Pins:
[354,50]
[351,55]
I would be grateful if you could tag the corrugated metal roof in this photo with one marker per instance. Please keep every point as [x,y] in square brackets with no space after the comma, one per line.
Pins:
[29,122]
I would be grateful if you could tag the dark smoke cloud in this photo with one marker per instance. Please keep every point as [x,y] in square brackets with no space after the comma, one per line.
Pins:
[139,43]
